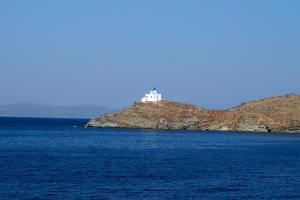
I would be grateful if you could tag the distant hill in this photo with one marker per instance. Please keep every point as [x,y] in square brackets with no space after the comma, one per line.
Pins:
[33,110]
[276,114]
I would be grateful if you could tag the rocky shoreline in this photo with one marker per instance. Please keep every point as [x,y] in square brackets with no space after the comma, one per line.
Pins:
[275,114]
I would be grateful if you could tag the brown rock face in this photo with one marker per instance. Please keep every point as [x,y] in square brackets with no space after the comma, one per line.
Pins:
[276,114]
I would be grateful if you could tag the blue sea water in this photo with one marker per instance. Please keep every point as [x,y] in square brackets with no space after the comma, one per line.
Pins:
[57,159]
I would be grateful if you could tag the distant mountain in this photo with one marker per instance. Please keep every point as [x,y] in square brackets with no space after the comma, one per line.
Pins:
[33,110]
[275,114]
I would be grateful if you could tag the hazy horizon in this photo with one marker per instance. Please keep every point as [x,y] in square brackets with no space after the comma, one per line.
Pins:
[216,54]
[132,103]
[37,110]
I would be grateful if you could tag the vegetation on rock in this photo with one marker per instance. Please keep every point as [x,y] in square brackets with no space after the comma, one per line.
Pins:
[276,114]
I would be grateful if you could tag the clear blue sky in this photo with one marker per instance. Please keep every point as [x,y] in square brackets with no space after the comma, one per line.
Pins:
[211,53]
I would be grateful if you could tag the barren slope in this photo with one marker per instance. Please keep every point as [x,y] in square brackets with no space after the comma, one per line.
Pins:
[276,114]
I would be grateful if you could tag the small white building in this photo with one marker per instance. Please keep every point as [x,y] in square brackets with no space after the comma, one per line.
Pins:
[152,96]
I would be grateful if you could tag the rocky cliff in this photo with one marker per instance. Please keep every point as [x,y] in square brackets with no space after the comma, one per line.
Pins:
[276,114]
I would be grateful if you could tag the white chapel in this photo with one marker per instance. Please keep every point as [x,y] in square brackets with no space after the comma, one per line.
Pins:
[152,96]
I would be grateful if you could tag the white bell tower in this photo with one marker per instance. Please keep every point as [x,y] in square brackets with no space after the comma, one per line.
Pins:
[152,96]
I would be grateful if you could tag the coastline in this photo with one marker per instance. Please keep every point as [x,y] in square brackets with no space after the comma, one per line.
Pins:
[276,115]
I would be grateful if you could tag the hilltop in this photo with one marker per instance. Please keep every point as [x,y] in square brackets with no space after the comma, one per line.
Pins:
[275,114]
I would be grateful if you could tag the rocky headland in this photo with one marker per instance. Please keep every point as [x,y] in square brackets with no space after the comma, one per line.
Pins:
[275,114]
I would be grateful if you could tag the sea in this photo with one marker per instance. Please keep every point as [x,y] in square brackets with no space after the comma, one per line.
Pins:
[44,158]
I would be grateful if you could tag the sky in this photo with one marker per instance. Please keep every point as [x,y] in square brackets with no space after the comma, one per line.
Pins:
[215,54]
